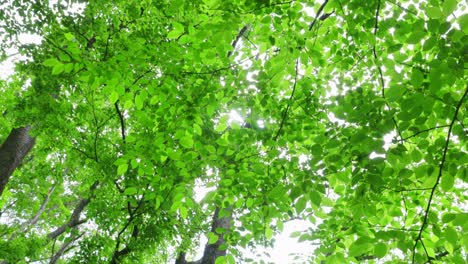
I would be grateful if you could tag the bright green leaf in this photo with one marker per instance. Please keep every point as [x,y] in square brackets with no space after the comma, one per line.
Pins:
[212,238]
[51,62]
[138,102]
[183,212]
[186,142]
[122,169]
[268,233]
[177,30]
[220,260]
[114,96]
[57,69]
[130,191]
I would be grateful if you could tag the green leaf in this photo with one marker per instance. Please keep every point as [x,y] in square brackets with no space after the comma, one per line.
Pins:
[114,96]
[51,62]
[301,204]
[433,12]
[394,92]
[186,142]
[210,149]
[416,37]
[449,247]
[337,258]
[358,248]
[138,102]
[183,212]
[57,69]
[316,150]
[446,218]
[394,48]
[222,142]
[295,234]
[212,238]
[449,6]
[230,259]
[69,36]
[451,235]
[220,260]
[268,233]
[447,182]
[197,129]
[463,22]
[315,197]
[177,30]
[130,191]
[249,202]
[122,169]
[380,250]
[417,78]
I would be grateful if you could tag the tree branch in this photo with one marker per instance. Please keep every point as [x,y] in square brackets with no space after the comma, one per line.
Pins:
[75,217]
[120,253]
[441,168]
[62,249]
[239,35]
[318,14]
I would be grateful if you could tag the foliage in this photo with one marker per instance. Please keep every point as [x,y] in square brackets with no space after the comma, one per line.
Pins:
[131,102]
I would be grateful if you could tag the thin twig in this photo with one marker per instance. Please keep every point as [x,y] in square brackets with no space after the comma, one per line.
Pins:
[404,8]
[285,113]
[122,121]
[423,131]
[381,78]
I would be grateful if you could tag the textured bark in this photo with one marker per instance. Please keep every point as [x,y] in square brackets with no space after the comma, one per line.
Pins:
[12,152]
[212,251]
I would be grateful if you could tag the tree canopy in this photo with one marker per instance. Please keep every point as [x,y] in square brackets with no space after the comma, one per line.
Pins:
[350,114]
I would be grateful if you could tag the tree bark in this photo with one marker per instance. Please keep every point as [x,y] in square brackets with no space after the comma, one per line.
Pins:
[12,152]
[212,251]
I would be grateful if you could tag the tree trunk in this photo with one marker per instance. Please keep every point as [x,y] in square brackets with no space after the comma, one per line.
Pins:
[14,149]
[212,251]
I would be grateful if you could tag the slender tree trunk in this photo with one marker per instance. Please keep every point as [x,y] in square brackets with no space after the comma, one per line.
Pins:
[14,149]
